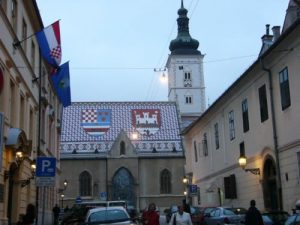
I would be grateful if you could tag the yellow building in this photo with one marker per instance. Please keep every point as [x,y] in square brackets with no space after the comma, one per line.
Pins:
[24,117]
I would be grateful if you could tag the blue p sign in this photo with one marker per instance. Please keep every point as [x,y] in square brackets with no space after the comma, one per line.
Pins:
[45,167]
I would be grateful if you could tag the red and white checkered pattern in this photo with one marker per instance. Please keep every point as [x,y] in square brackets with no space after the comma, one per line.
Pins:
[89,116]
[56,52]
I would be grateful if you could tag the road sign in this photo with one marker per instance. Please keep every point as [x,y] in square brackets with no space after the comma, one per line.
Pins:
[103,196]
[45,181]
[78,199]
[193,188]
[45,167]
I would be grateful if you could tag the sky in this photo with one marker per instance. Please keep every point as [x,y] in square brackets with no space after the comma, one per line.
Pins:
[115,46]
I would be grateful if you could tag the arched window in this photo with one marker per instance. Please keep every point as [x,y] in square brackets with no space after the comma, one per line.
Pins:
[165,182]
[85,181]
[122,148]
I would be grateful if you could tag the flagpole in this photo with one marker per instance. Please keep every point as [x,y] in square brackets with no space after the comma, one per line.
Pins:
[39,129]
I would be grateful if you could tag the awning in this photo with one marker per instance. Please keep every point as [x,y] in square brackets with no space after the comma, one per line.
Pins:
[16,139]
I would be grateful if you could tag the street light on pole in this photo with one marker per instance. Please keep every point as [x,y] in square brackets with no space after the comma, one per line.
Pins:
[62,200]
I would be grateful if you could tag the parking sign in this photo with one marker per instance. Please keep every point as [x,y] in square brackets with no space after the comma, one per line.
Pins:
[45,167]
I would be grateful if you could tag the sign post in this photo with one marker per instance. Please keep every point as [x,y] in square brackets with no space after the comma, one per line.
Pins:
[45,175]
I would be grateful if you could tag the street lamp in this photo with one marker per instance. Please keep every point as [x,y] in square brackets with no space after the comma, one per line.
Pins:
[62,200]
[65,184]
[243,163]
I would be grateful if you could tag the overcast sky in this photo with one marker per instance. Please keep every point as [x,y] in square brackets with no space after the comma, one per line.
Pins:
[114,45]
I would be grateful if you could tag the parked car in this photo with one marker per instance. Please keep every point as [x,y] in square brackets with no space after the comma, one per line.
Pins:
[275,217]
[108,215]
[293,219]
[222,216]
[241,212]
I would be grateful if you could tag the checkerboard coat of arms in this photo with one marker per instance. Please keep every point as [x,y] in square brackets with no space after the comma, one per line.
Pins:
[96,122]
[146,121]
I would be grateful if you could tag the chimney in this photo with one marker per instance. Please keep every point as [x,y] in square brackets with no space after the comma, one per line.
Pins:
[267,40]
[276,32]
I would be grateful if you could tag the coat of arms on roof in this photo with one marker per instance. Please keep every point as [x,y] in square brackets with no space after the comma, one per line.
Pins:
[96,122]
[146,121]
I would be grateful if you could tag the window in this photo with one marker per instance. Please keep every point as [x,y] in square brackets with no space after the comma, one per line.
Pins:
[195,151]
[33,55]
[245,115]
[122,148]
[165,182]
[230,187]
[298,155]
[216,126]
[187,75]
[231,125]
[242,149]
[204,145]
[12,103]
[24,35]
[187,81]
[22,112]
[284,88]
[85,184]
[14,14]
[188,99]
[3,4]
[263,103]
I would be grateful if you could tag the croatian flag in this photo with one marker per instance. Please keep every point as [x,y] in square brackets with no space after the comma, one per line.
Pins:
[49,42]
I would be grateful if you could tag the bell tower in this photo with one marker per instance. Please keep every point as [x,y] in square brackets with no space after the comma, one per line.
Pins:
[185,72]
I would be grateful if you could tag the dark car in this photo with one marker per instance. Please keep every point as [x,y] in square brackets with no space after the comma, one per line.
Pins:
[275,217]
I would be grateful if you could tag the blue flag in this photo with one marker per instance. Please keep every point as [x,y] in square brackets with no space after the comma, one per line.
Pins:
[61,83]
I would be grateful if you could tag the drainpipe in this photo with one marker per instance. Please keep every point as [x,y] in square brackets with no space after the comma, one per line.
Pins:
[275,138]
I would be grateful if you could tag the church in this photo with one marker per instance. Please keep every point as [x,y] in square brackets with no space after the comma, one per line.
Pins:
[133,151]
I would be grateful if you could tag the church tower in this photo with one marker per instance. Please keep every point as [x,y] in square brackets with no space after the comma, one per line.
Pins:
[185,72]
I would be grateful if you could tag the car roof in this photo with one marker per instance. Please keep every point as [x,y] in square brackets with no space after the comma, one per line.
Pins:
[106,208]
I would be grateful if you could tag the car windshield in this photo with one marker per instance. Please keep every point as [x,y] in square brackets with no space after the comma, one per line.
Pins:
[108,216]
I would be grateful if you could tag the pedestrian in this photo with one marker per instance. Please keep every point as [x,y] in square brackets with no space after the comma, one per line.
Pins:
[186,206]
[181,217]
[253,215]
[56,211]
[29,217]
[150,217]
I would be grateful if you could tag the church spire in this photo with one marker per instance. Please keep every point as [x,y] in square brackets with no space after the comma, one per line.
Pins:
[184,43]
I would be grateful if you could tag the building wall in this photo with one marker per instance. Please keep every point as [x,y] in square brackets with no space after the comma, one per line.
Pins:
[20,106]
[208,171]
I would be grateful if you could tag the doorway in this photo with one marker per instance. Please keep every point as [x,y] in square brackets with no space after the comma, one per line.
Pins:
[123,186]
[270,188]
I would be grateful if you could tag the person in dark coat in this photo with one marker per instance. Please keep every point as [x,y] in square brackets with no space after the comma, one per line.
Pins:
[56,211]
[253,215]
[29,217]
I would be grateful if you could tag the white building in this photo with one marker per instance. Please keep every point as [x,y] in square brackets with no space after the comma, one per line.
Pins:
[257,117]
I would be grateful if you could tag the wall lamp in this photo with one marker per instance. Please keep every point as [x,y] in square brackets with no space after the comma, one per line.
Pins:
[19,157]
[243,163]
[33,169]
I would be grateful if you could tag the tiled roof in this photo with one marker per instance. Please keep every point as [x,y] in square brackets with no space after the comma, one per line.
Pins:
[89,127]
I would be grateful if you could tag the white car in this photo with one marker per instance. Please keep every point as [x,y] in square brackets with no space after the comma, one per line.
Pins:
[115,215]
